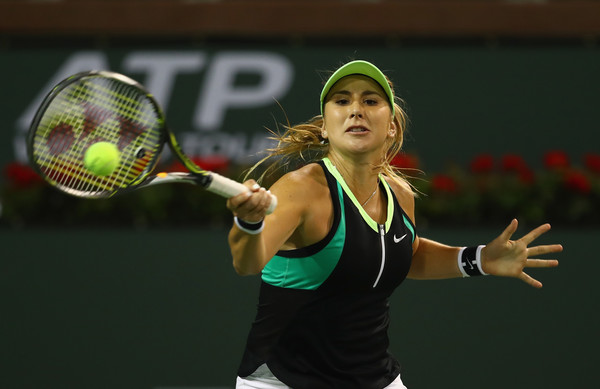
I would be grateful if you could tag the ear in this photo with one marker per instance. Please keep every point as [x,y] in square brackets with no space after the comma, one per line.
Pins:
[324,133]
[392,130]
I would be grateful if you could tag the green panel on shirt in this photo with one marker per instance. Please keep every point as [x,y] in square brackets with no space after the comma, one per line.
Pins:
[308,272]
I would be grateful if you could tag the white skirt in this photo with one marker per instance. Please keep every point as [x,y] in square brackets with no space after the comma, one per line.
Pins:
[263,378]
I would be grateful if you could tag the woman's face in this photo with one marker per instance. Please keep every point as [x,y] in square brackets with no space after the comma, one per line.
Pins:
[357,116]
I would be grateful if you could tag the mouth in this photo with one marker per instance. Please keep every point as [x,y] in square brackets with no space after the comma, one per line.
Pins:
[357,129]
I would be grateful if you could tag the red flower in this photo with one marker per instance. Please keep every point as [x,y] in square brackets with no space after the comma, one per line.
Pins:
[578,182]
[21,175]
[405,161]
[592,162]
[214,163]
[526,175]
[443,183]
[483,163]
[556,159]
[513,163]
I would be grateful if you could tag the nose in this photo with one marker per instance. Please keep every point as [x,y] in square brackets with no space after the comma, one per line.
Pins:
[356,110]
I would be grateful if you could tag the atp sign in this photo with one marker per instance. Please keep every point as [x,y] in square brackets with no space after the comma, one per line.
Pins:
[217,95]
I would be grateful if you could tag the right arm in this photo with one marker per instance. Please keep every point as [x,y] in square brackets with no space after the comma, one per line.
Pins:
[252,252]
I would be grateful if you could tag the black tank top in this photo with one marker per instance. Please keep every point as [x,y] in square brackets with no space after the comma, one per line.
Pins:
[323,310]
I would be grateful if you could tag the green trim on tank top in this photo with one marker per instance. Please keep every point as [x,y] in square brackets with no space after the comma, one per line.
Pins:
[390,202]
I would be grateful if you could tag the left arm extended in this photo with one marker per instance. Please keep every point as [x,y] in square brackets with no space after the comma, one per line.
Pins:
[500,257]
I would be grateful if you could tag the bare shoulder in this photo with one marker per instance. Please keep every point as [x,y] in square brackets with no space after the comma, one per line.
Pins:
[301,185]
[405,195]
[304,198]
[311,174]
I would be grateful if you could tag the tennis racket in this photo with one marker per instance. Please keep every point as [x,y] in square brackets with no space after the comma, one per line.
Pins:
[103,106]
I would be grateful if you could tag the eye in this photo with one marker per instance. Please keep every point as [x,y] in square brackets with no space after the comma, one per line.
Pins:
[341,101]
[371,101]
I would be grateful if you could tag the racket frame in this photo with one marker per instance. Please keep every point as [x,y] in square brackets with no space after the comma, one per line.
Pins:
[210,181]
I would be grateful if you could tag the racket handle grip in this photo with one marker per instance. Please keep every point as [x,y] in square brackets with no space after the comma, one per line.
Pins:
[227,188]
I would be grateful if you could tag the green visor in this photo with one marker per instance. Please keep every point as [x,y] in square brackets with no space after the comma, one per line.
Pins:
[361,68]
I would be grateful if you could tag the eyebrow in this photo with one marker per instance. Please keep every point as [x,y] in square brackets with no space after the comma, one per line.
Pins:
[348,93]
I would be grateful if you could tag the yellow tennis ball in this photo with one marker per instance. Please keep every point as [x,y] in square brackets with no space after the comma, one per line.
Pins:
[101,158]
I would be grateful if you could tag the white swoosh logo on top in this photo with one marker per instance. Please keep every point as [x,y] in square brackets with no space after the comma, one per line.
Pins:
[397,240]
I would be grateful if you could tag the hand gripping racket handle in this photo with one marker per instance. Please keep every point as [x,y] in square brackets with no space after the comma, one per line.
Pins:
[227,188]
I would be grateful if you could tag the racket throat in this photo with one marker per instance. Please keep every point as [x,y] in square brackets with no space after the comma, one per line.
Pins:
[168,178]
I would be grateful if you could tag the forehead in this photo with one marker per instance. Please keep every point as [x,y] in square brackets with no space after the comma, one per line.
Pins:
[357,83]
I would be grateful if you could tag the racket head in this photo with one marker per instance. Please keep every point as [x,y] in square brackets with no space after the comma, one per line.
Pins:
[90,107]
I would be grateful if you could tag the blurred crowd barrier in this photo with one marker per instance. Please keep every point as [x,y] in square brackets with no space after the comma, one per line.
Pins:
[307,18]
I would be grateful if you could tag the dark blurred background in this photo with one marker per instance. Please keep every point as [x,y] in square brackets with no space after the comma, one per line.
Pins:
[138,291]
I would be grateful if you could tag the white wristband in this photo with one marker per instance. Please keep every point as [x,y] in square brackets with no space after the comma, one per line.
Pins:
[478,259]
[248,227]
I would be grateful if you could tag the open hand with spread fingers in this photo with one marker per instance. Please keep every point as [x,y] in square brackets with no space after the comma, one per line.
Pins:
[509,258]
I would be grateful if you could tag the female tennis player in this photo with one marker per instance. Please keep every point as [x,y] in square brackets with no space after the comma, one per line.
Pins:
[341,239]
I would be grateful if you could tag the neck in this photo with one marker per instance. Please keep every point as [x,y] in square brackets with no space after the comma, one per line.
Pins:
[360,176]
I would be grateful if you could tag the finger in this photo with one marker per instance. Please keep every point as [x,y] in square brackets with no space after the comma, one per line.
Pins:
[246,202]
[541,263]
[267,197]
[544,249]
[254,209]
[237,201]
[510,230]
[260,200]
[534,234]
[252,185]
[530,281]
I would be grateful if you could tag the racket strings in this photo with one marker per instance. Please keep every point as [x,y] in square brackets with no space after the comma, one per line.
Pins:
[65,167]
[97,109]
[124,101]
[61,162]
